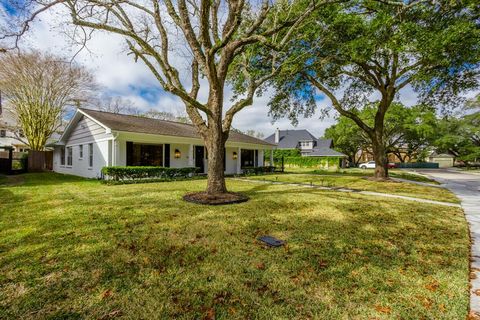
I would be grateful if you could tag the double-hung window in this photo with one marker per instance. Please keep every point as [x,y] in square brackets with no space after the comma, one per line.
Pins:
[69,156]
[80,151]
[90,155]
[62,156]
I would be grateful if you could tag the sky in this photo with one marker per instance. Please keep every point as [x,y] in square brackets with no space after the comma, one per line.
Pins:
[120,76]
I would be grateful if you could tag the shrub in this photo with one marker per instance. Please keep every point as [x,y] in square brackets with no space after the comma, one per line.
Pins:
[257,170]
[312,162]
[133,173]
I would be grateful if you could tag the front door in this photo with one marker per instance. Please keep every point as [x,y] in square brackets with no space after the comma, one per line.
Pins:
[199,155]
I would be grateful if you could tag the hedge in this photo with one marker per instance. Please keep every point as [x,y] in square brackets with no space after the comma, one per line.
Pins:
[311,162]
[133,173]
[257,170]
[417,165]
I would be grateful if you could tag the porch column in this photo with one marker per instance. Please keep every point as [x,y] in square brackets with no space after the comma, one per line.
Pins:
[260,158]
[190,156]
[239,160]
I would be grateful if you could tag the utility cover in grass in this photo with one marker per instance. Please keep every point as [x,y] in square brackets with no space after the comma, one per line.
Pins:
[271,241]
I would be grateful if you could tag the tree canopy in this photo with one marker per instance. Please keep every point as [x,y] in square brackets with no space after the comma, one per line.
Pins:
[363,51]
[39,88]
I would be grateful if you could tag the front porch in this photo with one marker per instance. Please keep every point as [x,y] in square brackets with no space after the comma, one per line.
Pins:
[142,150]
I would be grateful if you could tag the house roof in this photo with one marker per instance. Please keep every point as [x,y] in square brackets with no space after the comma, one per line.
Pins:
[139,124]
[289,138]
[321,143]
[324,152]
[441,155]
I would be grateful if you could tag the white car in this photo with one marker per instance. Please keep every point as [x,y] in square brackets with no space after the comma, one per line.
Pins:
[367,165]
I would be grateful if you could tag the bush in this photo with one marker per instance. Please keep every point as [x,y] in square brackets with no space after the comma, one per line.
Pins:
[131,173]
[312,162]
[257,170]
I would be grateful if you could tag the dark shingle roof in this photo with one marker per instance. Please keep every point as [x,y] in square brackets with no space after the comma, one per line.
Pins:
[324,152]
[324,143]
[129,123]
[289,138]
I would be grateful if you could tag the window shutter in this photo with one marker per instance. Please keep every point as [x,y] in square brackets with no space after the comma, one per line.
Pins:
[167,156]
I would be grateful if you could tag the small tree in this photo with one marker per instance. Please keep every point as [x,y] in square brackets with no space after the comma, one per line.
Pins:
[210,36]
[371,50]
[38,88]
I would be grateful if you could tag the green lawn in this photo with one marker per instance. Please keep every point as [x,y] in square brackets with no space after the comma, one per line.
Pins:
[364,184]
[357,172]
[74,249]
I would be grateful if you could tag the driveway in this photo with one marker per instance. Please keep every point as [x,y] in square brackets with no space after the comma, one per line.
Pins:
[467,188]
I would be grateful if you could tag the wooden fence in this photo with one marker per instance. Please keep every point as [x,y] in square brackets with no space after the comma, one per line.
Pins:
[40,161]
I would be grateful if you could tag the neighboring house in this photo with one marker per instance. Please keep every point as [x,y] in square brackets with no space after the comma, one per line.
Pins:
[444,160]
[94,139]
[8,131]
[305,142]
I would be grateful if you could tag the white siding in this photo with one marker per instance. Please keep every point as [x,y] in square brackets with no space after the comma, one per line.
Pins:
[230,163]
[80,166]
[85,131]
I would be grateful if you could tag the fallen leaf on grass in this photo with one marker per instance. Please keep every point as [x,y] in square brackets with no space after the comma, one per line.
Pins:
[113,314]
[260,266]
[382,309]
[432,286]
[107,293]
[210,314]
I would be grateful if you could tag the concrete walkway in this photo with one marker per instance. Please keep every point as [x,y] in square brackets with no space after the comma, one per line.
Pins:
[369,193]
[467,188]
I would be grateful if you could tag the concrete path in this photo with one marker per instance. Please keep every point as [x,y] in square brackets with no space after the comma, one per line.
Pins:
[467,188]
[370,193]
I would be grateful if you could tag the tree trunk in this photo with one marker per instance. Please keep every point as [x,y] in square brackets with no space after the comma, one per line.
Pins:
[380,157]
[215,144]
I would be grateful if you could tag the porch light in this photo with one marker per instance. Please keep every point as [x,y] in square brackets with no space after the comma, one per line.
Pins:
[235,155]
[178,154]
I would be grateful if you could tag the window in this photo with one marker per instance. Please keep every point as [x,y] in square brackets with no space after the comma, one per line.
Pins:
[80,151]
[62,156]
[247,158]
[90,155]
[144,154]
[69,156]
[3,133]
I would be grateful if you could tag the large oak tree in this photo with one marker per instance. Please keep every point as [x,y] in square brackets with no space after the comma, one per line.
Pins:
[368,50]
[210,36]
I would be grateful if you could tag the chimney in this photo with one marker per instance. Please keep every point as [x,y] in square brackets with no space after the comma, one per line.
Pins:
[277,136]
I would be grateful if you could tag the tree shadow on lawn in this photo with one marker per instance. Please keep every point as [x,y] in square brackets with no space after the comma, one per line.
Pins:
[345,255]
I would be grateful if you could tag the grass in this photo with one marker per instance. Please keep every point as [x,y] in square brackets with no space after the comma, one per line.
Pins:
[361,183]
[357,172]
[74,249]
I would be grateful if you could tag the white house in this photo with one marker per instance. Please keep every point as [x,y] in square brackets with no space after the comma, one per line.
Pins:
[94,139]
[9,132]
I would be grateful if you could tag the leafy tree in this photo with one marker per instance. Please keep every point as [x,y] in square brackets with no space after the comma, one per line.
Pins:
[348,138]
[39,88]
[408,131]
[460,136]
[210,36]
[370,51]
